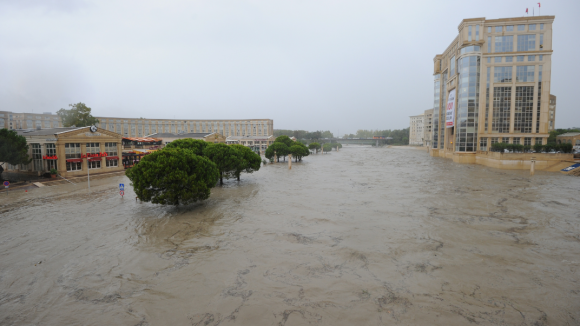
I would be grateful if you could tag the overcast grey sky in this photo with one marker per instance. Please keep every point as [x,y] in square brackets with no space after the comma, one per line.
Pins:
[307,64]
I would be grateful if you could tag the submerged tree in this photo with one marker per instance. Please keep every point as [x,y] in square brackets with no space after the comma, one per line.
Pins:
[195,145]
[225,158]
[327,147]
[314,146]
[79,116]
[13,149]
[298,151]
[248,161]
[278,149]
[173,176]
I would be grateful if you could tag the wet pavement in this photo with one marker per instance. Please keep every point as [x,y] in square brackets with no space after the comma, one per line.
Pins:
[365,236]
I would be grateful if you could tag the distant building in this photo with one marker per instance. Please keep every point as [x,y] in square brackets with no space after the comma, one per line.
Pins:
[552,117]
[427,127]
[15,121]
[416,130]
[569,138]
[131,127]
[167,137]
[254,142]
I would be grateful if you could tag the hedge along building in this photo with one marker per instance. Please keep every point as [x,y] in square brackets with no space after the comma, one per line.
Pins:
[71,151]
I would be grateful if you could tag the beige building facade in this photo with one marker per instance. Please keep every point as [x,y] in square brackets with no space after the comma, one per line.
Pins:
[498,72]
[167,138]
[14,121]
[130,127]
[71,151]
[416,130]
[427,127]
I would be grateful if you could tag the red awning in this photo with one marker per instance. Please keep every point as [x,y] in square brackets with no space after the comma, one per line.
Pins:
[94,159]
[74,159]
[112,157]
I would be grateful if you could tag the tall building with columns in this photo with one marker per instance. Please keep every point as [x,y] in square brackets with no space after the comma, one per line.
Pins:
[492,84]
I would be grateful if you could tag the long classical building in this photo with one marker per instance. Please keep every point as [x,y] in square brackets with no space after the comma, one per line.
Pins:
[492,84]
[130,127]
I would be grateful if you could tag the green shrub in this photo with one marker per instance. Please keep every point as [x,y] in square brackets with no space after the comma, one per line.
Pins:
[53,171]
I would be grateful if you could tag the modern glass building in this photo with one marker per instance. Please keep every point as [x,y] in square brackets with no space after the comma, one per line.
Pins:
[500,73]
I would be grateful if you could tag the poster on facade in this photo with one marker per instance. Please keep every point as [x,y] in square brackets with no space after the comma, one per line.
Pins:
[450,112]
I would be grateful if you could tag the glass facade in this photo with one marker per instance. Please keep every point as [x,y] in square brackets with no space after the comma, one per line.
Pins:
[502,98]
[524,109]
[452,67]
[436,101]
[504,43]
[526,42]
[538,107]
[502,74]
[467,104]
[487,98]
[525,73]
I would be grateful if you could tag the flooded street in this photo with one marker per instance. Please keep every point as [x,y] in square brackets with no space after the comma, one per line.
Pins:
[365,236]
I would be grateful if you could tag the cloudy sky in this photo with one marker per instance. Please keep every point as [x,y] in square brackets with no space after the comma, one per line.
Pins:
[307,64]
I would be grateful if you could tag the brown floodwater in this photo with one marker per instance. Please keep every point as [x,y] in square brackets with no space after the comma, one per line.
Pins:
[365,236]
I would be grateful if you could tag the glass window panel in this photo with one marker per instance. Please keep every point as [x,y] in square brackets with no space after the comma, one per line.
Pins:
[498,29]
[541,26]
[520,58]
[509,28]
[521,27]
[531,58]
[497,59]
[509,59]
[531,27]
[504,43]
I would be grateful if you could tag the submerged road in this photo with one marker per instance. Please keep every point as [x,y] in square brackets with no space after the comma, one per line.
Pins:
[365,236]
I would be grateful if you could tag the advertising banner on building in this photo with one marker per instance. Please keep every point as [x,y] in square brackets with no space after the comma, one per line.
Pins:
[450,112]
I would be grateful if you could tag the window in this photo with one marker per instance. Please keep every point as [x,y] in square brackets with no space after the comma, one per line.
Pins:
[488,59]
[541,57]
[531,58]
[489,44]
[505,140]
[541,41]
[497,59]
[526,42]
[509,59]
[516,140]
[73,166]
[489,29]
[527,141]
[509,28]
[95,164]
[93,148]
[524,109]
[483,144]
[498,29]
[538,141]
[469,33]
[494,140]
[72,150]
[502,97]
[504,43]
[37,157]
[111,149]
[525,73]
[520,58]
[112,163]
[452,67]
[50,151]
[541,26]
[531,27]
[477,32]
[502,74]
[521,27]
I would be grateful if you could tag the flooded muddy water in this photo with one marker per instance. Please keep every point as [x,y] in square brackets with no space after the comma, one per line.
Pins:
[365,236]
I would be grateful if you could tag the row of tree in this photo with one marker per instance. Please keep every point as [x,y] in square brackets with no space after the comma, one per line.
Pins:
[400,136]
[283,146]
[186,169]
[538,148]
[303,134]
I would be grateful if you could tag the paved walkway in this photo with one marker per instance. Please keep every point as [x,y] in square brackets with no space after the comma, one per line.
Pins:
[27,185]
